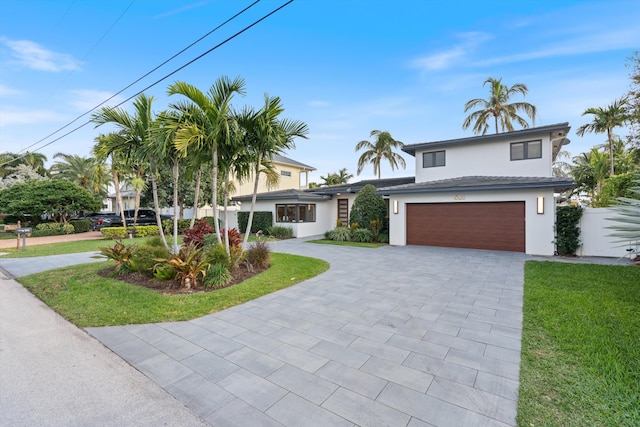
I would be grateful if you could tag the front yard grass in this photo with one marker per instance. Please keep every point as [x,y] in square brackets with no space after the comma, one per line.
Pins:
[86,299]
[580,346]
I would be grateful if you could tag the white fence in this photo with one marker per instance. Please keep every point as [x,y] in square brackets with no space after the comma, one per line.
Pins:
[595,238]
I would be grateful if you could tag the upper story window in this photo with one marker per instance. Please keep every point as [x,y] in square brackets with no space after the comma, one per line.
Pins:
[285,173]
[433,159]
[526,150]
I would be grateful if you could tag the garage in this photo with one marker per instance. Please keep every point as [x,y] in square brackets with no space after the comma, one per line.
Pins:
[482,225]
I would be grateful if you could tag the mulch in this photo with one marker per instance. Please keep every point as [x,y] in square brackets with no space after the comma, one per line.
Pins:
[172,287]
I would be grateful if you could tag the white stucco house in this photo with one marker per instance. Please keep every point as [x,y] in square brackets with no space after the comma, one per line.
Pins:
[484,192]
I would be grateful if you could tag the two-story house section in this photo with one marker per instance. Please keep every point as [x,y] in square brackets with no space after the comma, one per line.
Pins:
[292,175]
[484,192]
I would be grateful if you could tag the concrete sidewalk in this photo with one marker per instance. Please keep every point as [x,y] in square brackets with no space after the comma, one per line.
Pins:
[54,374]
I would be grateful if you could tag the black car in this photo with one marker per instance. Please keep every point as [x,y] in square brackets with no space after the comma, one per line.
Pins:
[145,217]
[97,220]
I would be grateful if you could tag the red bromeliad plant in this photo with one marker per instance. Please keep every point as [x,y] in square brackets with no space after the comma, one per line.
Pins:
[196,234]
[235,238]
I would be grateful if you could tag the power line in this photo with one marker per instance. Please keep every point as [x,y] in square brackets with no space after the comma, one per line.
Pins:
[133,83]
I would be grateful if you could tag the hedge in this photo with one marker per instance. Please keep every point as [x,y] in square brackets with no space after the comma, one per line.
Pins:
[262,221]
[55,229]
[568,229]
[117,233]
[80,225]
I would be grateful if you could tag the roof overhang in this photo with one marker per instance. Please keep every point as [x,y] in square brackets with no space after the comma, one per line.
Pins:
[479,183]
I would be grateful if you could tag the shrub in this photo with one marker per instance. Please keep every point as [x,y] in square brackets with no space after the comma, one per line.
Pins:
[258,255]
[235,238]
[48,232]
[375,226]
[568,229]
[196,234]
[362,235]
[368,206]
[217,254]
[262,221]
[115,233]
[145,230]
[280,232]
[191,265]
[120,253]
[164,271]
[11,219]
[145,258]
[217,276]
[340,234]
[154,241]
[383,237]
[80,225]
[55,228]
[236,256]
[183,224]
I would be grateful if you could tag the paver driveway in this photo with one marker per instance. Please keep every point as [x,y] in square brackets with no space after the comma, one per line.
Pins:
[398,336]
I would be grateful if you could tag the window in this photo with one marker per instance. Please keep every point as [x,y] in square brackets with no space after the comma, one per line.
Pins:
[526,150]
[285,173]
[296,213]
[433,159]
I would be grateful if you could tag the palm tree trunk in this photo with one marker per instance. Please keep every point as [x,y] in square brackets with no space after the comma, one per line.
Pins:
[195,199]
[119,205]
[137,206]
[214,194]
[176,172]
[496,120]
[254,196]
[156,203]
[610,138]
[226,218]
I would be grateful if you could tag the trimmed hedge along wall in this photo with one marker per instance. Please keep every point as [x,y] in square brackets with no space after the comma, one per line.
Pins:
[262,220]
[568,229]
[117,233]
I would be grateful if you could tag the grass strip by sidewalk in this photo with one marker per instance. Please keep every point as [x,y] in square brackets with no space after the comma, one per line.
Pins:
[580,346]
[86,299]
[72,247]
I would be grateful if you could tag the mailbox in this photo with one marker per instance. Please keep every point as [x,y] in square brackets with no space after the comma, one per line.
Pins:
[22,232]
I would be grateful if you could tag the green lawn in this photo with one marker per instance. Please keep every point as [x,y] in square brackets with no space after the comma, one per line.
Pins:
[86,299]
[65,247]
[356,244]
[580,346]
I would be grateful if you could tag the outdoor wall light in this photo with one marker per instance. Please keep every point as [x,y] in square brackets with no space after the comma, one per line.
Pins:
[395,206]
[540,204]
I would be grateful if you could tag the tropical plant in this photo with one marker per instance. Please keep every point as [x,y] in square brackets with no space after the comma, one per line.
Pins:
[340,234]
[362,235]
[628,217]
[120,253]
[34,161]
[615,187]
[568,229]
[210,127]
[258,255]
[217,277]
[604,121]
[381,149]
[87,172]
[280,232]
[145,258]
[197,234]
[336,178]
[191,265]
[497,106]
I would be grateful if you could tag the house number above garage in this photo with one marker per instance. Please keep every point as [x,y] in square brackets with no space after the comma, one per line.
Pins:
[458,197]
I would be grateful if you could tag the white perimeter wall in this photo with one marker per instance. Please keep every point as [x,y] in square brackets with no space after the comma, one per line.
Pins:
[594,235]
[539,234]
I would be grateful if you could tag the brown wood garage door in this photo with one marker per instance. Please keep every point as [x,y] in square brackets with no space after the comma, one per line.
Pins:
[496,226]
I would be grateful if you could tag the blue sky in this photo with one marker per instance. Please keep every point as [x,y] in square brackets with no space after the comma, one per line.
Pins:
[345,67]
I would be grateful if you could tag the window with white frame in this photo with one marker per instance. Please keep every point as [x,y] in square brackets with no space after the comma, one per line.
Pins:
[526,150]
[433,159]
[285,173]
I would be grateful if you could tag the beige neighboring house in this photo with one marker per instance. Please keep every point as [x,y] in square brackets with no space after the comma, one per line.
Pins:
[292,175]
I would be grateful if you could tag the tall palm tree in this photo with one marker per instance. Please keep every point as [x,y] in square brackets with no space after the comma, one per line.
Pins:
[106,147]
[137,131]
[266,136]
[87,172]
[380,149]
[213,126]
[497,107]
[36,161]
[605,120]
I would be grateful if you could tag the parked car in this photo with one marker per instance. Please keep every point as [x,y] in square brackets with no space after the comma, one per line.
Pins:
[97,220]
[145,217]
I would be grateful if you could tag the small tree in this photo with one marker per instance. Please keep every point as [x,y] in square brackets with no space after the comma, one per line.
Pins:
[568,229]
[369,209]
[57,197]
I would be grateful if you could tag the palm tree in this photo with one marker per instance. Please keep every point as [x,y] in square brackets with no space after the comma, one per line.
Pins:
[104,148]
[336,178]
[381,149]
[137,131]
[497,106]
[87,172]
[605,120]
[589,172]
[267,135]
[212,127]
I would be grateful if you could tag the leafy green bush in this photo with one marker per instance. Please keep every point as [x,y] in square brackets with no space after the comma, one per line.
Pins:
[11,219]
[340,234]
[616,186]
[383,237]
[154,241]
[145,230]
[280,232]
[568,229]
[114,233]
[164,271]
[217,276]
[80,225]
[145,258]
[217,253]
[262,221]
[258,255]
[362,235]
[183,224]
[56,228]
[368,206]
[48,232]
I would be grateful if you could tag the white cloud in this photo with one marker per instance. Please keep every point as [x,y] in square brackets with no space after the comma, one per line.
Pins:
[453,56]
[31,55]
[22,117]
[86,99]
[7,91]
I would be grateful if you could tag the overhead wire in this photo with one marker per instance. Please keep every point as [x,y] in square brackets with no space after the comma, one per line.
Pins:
[149,73]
